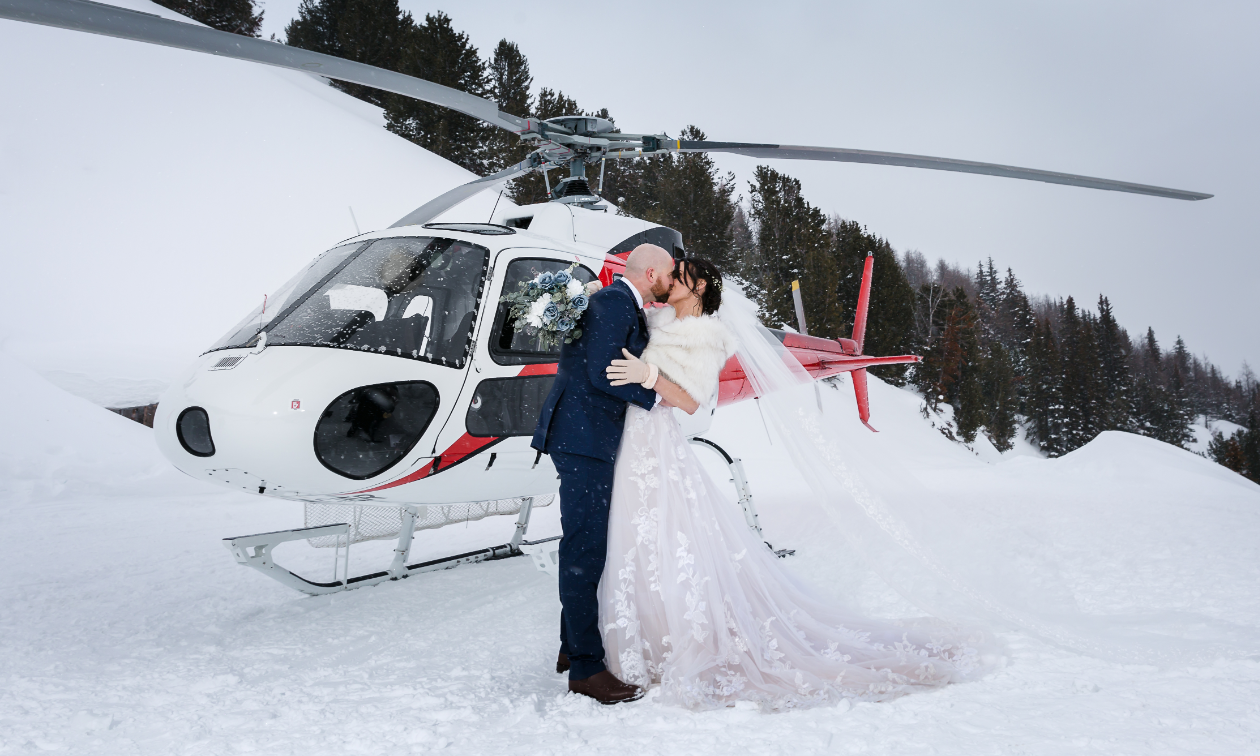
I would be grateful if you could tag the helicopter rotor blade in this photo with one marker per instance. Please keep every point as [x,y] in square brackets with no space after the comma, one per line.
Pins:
[110,21]
[443,202]
[840,155]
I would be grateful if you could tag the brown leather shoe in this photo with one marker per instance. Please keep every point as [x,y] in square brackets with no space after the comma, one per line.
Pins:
[562,663]
[606,688]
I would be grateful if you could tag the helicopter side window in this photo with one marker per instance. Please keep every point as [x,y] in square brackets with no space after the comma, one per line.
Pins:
[507,406]
[509,346]
[412,297]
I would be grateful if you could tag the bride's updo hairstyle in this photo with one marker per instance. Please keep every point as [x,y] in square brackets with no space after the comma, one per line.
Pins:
[699,269]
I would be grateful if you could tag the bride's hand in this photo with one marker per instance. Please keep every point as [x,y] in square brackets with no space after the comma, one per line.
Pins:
[631,370]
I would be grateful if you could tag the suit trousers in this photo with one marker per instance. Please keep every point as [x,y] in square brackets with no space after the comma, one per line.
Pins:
[585,497]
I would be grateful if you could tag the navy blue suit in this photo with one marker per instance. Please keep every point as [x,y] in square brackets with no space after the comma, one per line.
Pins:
[580,427]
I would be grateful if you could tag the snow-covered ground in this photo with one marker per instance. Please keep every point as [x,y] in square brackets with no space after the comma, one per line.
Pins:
[151,197]
[127,628]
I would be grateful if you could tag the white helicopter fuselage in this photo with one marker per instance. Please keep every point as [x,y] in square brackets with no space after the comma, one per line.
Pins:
[430,399]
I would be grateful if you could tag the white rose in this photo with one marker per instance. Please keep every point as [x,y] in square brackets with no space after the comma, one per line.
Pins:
[534,318]
[573,288]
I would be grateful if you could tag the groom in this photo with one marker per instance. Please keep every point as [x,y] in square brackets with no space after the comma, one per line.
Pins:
[580,427]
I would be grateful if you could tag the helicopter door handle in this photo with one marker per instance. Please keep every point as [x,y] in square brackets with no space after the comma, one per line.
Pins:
[537,457]
[491,462]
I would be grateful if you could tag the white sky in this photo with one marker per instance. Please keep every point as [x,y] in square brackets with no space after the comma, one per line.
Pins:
[1157,93]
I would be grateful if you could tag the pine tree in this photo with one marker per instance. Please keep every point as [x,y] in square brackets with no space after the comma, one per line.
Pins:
[1250,444]
[688,194]
[1044,404]
[235,16]
[890,316]
[1161,405]
[436,52]
[793,244]
[1228,451]
[1080,383]
[365,31]
[509,83]
[1115,406]
[998,383]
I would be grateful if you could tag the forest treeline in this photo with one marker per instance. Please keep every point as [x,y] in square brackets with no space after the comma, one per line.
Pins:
[999,357]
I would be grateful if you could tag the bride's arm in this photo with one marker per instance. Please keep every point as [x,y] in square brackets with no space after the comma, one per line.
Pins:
[674,395]
[634,370]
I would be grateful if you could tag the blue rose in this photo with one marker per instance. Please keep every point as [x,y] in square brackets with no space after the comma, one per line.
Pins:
[561,278]
[545,279]
[565,324]
[550,313]
[579,302]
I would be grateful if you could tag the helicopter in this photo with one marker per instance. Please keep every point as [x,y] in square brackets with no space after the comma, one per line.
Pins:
[384,386]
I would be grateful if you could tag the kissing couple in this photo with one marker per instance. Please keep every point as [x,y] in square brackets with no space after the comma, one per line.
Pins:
[662,582]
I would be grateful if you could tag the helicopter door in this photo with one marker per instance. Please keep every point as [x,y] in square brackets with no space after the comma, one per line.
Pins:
[511,378]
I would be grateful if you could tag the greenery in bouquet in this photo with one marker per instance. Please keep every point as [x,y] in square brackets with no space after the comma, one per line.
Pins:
[549,306]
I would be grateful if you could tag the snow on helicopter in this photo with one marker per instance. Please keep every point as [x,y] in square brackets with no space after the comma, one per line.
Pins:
[384,386]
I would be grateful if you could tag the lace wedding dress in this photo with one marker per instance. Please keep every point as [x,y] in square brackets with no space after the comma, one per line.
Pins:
[691,599]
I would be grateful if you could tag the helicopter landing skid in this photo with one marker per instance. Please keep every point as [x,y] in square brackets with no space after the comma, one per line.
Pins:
[255,551]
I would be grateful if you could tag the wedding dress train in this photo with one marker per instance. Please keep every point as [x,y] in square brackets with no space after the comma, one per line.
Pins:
[691,599]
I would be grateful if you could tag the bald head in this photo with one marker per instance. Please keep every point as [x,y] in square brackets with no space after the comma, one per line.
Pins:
[650,269]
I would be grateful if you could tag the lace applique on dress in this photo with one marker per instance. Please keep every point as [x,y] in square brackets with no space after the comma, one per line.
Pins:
[694,601]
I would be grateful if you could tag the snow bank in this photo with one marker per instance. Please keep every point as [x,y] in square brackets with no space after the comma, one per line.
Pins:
[53,443]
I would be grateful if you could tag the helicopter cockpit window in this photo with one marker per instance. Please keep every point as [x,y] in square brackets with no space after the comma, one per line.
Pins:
[510,347]
[412,297]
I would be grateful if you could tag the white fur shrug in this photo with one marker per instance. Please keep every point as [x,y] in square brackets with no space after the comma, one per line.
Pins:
[690,352]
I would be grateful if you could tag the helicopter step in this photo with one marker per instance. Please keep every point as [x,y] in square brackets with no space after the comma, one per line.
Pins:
[256,551]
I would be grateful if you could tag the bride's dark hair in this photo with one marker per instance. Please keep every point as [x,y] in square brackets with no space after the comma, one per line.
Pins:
[699,269]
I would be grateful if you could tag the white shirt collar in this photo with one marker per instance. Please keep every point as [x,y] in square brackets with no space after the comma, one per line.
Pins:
[635,291]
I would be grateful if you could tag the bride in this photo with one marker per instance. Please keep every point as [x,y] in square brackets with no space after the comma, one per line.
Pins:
[691,599]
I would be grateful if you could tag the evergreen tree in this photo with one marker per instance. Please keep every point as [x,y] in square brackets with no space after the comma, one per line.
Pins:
[1160,410]
[509,83]
[1250,443]
[1044,404]
[951,371]
[235,16]
[436,52]
[890,316]
[1002,403]
[792,244]
[1228,451]
[1080,383]
[1115,405]
[689,195]
[365,31]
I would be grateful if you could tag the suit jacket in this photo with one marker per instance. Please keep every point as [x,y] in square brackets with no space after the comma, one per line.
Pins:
[584,414]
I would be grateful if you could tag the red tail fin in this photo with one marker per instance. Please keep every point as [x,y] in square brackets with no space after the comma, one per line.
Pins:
[859,336]
[864,301]
[863,397]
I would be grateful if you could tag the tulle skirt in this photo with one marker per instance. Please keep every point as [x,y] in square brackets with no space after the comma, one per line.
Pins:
[693,601]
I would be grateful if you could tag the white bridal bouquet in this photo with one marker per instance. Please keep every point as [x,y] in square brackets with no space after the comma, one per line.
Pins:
[550,306]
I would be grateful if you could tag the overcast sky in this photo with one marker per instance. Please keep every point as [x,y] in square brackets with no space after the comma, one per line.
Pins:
[1155,93]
